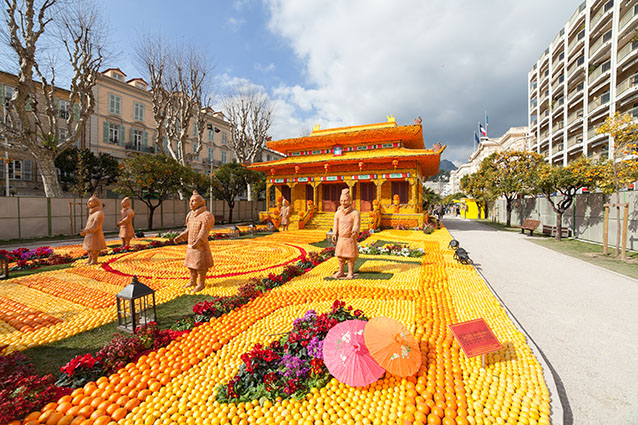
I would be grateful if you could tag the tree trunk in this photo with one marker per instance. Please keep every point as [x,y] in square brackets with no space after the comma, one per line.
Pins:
[559,226]
[46,166]
[617,223]
[508,209]
[249,189]
[151,211]
[231,205]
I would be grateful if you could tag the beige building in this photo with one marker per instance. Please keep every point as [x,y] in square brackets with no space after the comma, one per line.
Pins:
[22,169]
[123,125]
[515,139]
[587,73]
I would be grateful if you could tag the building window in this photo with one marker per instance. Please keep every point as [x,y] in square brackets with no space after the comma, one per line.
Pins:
[211,135]
[8,94]
[224,157]
[224,138]
[138,139]
[115,104]
[401,189]
[195,153]
[63,109]
[117,76]
[138,111]
[62,133]
[140,86]
[211,154]
[18,170]
[267,157]
[114,133]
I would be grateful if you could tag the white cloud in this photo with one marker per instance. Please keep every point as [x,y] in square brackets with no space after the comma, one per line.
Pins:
[265,68]
[444,61]
[234,23]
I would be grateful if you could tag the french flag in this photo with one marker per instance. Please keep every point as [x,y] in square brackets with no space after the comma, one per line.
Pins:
[482,130]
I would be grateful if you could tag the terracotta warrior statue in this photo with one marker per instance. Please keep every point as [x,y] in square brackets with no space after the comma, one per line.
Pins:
[93,236]
[126,222]
[346,231]
[285,214]
[199,259]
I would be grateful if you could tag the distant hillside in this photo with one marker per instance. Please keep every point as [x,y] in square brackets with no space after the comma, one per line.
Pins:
[447,165]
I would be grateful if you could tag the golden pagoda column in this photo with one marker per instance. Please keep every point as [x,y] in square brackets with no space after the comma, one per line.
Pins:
[315,195]
[414,194]
[350,184]
[268,186]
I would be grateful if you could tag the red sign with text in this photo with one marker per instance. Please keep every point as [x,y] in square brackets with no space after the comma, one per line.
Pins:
[475,337]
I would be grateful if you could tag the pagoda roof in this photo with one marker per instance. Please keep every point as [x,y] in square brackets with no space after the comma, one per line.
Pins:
[428,158]
[411,136]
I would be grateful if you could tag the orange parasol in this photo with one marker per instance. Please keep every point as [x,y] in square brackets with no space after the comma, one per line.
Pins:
[392,346]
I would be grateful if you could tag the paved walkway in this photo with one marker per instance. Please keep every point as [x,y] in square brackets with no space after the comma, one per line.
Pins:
[583,319]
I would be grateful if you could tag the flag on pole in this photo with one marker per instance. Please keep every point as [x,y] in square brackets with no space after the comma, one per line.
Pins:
[476,139]
[482,130]
[486,124]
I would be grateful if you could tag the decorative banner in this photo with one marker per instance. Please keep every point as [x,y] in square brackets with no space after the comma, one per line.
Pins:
[364,177]
[302,179]
[278,180]
[396,176]
[337,151]
[475,337]
[331,178]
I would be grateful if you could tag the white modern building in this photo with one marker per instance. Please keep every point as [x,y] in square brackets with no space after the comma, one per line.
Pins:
[514,139]
[587,73]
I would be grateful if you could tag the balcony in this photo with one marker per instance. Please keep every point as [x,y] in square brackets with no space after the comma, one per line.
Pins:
[627,86]
[629,16]
[602,42]
[544,116]
[633,112]
[626,51]
[575,67]
[559,125]
[604,11]
[592,133]
[137,148]
[572,118]
[544,96]
[602,69]
[558,63]
[599,101]
[576,42]
[576,92]
[574,140]
[545,154]
[544,135]
[558,83]
[577,14]
[558,148]
[558,38]
[534,121]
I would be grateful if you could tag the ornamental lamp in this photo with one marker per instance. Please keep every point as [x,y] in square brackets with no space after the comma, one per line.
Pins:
[4,266]
[251,229]
[234,232]
[360,165]
[297,168]
[329,236]
[395,163]
[135,306]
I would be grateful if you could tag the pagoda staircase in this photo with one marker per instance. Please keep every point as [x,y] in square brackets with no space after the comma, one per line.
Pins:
[325,220]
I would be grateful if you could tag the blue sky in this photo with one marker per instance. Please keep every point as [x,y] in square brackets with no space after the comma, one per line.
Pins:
[354,62]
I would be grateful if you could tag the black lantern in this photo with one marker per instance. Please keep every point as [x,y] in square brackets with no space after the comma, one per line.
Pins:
[454,244]
[135,306]
[4,267]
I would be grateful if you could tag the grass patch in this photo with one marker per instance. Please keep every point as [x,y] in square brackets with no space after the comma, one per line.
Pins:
[593,254]
[501,226]
[365,275]
[22,273]
[322,244]
[50,357]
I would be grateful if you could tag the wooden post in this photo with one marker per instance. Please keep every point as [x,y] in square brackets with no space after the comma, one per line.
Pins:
[606,229]
[624,231]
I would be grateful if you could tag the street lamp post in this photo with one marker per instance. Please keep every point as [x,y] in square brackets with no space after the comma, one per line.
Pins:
[210,160]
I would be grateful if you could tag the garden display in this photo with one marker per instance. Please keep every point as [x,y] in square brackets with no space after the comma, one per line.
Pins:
[251,353]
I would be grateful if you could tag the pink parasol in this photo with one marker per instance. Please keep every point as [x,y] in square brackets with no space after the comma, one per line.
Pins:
[346,356]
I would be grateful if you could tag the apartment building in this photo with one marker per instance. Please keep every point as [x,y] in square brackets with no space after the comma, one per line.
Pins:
[123,125]
[514,139]
[587,73]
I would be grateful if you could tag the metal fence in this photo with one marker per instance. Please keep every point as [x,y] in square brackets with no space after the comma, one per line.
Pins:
[584,218]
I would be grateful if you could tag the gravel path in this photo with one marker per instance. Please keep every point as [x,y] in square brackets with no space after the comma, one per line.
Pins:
[582,317]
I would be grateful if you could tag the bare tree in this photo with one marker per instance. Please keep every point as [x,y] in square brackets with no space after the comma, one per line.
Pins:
[179,77]
[32,113]
[249,112]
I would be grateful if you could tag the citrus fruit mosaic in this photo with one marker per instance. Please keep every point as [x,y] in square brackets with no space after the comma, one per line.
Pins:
[179,383]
